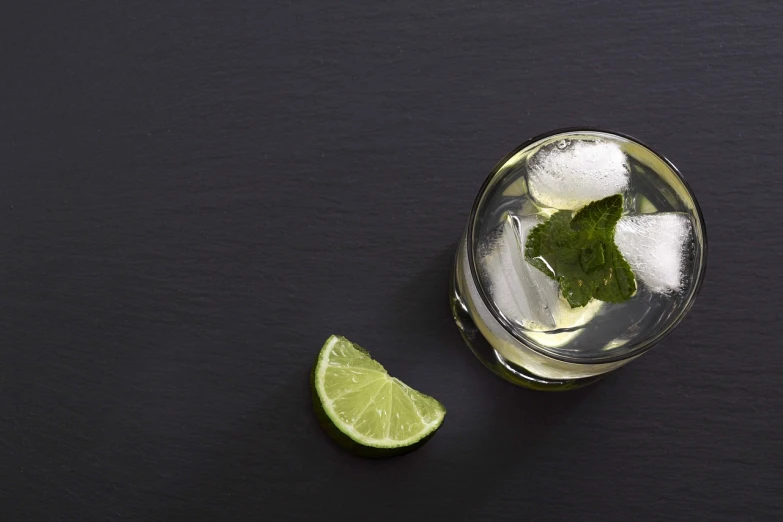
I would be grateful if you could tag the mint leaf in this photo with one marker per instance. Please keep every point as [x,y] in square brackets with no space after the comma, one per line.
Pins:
[592,257]
[580,253]
[551,244]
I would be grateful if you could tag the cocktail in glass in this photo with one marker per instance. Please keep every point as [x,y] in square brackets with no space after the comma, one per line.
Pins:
[512,310]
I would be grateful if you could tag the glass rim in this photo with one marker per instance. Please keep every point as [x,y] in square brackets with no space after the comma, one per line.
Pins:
[498,316]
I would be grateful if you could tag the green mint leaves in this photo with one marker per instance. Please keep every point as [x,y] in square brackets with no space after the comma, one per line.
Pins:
[580,253]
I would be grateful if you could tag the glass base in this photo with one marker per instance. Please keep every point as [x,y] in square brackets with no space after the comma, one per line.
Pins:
[496,362]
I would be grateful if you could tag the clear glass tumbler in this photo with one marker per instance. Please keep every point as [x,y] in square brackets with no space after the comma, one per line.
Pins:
[514,317]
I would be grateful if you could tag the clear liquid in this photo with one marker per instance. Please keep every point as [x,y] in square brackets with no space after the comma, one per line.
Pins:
[599,332]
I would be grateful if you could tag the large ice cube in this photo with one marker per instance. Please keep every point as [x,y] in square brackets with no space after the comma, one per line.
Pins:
[571,173]
[655,246]
[511,286]
[524,294]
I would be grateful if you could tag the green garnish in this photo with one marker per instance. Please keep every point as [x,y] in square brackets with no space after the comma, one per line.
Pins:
[364,409]
[580,253]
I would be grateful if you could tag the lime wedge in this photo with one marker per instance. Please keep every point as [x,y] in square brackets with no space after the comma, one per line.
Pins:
[364,409]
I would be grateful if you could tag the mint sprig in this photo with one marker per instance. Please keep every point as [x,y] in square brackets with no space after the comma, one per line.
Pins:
[579,252]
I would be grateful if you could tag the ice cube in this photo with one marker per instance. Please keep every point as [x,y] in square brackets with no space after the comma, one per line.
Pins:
[655,245]
[571,173]
[511,285]
[525,295]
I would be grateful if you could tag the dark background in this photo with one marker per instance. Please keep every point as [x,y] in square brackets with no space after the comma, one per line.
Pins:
[195,194]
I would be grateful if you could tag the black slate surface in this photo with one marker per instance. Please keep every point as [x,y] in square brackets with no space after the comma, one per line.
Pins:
[194,195]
